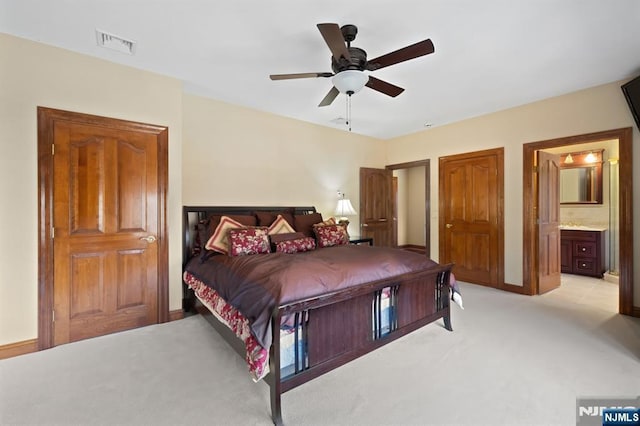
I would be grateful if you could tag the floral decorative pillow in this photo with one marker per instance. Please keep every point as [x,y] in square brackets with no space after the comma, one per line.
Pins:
[296,246]
[219,241]
[280,226]
[246,241]
[331,235]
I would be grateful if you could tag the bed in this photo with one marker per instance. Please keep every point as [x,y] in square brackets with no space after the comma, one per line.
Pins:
[294,311]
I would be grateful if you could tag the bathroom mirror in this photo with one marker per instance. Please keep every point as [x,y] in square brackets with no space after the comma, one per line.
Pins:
[581,177]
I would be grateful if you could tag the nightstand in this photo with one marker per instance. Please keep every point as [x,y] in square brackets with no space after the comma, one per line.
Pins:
[360,240]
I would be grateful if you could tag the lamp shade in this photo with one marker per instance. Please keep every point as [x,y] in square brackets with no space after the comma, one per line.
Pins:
[344,208]
[350,81]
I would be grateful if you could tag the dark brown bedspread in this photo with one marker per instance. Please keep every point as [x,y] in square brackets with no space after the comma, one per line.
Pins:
[257,284]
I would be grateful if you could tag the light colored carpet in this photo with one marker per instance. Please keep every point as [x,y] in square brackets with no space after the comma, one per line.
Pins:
[511,360]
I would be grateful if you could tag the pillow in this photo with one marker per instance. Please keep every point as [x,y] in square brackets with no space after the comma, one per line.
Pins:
[304,223]
[219,241]
[267,218]
[206,227]
[280,226]
[297,245]
[276,238]
[331,235]
[330,221]
[245,241]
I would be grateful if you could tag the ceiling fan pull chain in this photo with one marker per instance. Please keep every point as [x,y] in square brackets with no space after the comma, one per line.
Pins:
[349,111]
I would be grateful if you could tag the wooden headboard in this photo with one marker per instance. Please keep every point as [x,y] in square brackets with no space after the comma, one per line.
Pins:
[192,214]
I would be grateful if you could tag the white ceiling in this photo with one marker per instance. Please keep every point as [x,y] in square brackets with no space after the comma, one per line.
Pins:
[490,55]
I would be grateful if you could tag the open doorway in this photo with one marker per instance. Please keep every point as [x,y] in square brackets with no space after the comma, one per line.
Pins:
[412,207]
[624,217]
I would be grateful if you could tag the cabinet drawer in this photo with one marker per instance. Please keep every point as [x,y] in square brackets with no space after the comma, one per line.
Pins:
[584,249]
[585,266]
[579,235]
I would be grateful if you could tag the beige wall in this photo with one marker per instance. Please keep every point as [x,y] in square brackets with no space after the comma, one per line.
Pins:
[592,110]
[238,156]
[32,75]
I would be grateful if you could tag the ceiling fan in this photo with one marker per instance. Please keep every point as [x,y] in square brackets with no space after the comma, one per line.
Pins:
[349,63]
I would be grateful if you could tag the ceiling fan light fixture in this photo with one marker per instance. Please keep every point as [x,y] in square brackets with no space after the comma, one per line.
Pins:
[350,81]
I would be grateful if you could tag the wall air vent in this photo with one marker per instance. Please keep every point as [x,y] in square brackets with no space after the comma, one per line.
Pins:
[114,42]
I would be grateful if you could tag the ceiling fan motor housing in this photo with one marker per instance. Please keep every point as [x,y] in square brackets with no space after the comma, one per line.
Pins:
[358,61]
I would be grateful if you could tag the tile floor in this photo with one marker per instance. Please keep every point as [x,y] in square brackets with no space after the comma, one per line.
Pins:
[582,290]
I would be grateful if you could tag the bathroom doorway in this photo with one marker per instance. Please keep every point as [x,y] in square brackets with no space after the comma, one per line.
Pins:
[624,234]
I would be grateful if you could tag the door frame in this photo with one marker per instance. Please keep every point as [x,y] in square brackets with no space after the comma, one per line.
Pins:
[427,196]
[46,120]
[625,163]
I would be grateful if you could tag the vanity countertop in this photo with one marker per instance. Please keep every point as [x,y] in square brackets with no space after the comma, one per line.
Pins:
[581,228]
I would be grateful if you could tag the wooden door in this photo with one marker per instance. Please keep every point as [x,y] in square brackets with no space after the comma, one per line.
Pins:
[471,224]
[109,258]
[376,205]
[548,208]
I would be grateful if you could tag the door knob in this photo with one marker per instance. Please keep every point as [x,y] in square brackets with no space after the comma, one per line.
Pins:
[449,225]
[148,238]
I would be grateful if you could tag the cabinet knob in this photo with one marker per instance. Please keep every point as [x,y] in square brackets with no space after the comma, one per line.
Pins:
[584,249]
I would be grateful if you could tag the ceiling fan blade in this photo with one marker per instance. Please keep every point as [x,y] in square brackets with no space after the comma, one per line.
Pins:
[421,48]
[333,93]
[300,75]
[335,40]
[384,87]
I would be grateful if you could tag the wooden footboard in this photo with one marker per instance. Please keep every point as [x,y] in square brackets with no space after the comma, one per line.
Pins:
[415,300]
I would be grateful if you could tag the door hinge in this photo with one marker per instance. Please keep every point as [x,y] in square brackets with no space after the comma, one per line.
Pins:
[535,169]
[53,149]
[53,316]
[53,232]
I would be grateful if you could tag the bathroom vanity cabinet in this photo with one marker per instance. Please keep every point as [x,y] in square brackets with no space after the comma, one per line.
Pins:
[582,252]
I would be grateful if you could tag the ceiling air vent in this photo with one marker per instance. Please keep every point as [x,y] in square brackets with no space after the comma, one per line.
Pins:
[114,42]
